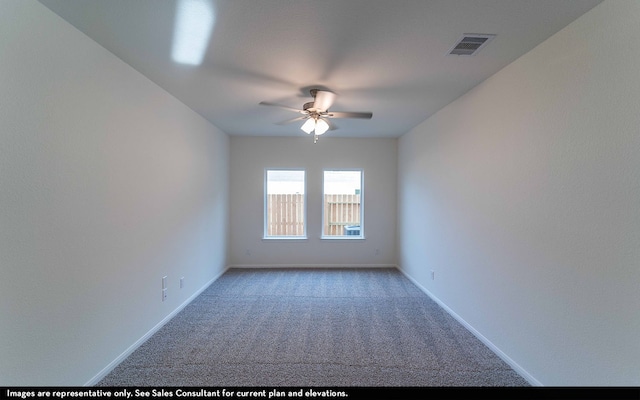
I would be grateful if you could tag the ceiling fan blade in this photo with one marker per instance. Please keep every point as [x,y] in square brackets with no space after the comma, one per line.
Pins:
[292,120]
[324,100]
[345,114]
[267,103]
[332,126]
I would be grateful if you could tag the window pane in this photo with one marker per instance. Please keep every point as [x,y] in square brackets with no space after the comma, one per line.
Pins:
[342,203]
[285,203]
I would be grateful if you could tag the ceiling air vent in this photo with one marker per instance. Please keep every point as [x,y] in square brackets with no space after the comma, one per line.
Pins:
[470,44]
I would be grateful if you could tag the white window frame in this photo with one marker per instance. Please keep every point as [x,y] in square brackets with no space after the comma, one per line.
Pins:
[265,221]
[344,237]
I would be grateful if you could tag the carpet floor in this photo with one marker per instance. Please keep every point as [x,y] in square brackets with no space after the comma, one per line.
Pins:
[313,327]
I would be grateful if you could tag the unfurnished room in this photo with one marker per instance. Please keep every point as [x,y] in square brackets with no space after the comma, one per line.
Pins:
[319,194]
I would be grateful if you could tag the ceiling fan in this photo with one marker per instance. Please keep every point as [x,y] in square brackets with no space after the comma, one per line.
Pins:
[317,114]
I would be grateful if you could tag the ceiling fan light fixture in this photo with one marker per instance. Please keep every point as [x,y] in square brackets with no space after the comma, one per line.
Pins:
[321,126]
[316,113]
[309,126]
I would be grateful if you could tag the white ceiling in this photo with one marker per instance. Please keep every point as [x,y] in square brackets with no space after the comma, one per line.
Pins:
[384,56]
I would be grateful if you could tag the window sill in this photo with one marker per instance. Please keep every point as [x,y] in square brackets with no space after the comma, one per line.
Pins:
[346,237]
[285,239]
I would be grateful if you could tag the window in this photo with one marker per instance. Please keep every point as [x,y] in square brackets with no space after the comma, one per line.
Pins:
[342,204]
[285,204]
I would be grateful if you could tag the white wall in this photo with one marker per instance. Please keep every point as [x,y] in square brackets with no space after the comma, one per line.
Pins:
[523,196]
[249,158]
[107,183]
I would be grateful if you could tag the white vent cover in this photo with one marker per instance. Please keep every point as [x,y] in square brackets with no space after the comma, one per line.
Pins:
[470,44]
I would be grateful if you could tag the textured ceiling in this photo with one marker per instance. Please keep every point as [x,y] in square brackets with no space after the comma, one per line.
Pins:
[387,57]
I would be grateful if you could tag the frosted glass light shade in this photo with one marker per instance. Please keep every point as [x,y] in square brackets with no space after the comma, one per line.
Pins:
[309,125]
[321,126]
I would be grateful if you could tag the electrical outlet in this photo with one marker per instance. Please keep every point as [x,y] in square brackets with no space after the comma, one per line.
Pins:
[377,252]
[181,282]
[164,288]
[433,275]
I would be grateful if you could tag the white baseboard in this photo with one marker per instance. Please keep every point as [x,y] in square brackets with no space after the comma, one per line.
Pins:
[105,371]
[521,371]
[313,266]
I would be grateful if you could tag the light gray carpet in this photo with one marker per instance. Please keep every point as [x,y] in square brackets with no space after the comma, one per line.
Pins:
[313,327]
